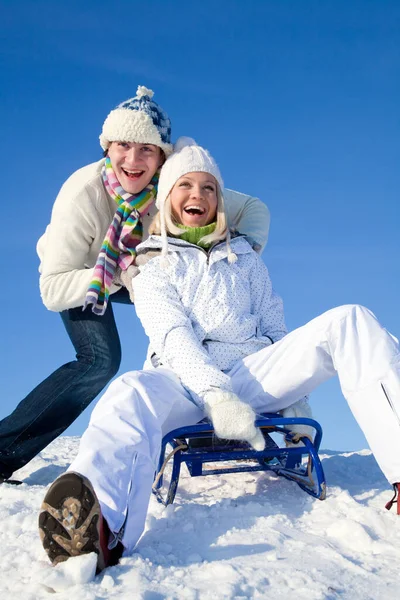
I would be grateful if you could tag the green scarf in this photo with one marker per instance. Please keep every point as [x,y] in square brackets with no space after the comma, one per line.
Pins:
[194,234]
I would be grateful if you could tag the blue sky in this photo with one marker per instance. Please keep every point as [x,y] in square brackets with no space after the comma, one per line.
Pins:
[298,102]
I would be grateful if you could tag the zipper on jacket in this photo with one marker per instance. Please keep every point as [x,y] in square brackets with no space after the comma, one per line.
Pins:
[189,245]
[390,403]
[211,248]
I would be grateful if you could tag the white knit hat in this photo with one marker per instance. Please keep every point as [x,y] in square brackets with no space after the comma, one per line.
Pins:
[187,157]
[139,120]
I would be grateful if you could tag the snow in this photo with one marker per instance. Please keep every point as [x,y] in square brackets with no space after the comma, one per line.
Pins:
[247,535]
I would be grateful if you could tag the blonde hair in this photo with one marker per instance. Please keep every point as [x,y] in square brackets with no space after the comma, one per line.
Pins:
[220,232]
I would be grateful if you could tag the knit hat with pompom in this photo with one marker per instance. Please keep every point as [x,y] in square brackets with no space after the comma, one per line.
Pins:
[139,120]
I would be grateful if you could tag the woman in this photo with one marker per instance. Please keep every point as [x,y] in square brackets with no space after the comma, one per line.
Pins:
[218,347]
[103,209]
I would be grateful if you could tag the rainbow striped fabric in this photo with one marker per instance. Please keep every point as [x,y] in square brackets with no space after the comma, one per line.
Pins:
[122,237]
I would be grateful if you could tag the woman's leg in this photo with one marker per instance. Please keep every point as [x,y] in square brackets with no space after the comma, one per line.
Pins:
[349,341]
[120,449]
[56,402]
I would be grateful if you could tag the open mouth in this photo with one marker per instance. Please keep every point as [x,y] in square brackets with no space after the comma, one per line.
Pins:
[195,210]
[133,174]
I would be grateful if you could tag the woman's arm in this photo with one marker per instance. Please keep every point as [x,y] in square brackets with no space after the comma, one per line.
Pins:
[171,333]
[249,216]
[172,338]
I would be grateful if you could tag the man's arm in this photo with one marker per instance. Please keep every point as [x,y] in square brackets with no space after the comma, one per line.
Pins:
[249,216]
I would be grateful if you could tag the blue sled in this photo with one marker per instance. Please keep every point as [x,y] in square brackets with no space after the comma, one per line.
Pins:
[299,463]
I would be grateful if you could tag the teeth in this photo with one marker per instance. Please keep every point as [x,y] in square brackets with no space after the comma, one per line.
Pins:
[200,209]
[133,172]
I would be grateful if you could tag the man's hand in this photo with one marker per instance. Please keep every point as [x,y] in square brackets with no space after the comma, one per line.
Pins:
[126,278]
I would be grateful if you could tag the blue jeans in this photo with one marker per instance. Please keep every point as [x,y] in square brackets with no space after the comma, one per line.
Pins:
[56,402]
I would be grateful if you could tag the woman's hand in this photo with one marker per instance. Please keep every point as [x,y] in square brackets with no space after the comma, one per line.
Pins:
[232,418]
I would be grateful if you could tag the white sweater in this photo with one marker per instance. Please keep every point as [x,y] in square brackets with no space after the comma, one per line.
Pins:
[81,215]
[203,314]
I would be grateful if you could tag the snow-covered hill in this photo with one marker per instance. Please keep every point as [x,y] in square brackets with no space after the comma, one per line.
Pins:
[227,537]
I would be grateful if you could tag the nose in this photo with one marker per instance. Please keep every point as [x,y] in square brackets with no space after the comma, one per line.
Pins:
[197,191]
[133,155]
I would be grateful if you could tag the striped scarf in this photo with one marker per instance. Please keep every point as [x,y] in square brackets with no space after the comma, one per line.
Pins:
[122,237]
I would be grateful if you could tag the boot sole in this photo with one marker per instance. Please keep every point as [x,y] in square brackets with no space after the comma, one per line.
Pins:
[70,520]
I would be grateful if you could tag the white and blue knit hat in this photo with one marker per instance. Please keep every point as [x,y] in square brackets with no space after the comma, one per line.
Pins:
[139,120]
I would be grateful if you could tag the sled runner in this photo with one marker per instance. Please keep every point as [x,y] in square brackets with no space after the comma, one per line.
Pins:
[299,463]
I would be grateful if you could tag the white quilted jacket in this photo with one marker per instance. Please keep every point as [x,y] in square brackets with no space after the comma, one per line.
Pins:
[202,313]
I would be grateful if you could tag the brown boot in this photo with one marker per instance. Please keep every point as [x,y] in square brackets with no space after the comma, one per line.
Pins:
[71,523]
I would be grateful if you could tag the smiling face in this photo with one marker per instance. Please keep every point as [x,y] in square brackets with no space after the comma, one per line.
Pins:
[134,164]
[194,199]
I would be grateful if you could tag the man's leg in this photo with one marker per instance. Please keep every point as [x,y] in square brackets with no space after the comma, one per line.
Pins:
[349,341]
[56,402]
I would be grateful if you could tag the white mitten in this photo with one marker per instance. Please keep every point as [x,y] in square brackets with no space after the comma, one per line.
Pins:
[126,278]
[301,408]
[232,418]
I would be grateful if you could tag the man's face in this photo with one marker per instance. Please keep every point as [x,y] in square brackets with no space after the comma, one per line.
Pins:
[134,164]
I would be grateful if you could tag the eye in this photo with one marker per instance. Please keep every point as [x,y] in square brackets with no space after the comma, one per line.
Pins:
[147,149]
[123,144]
[209,187]
[184,184]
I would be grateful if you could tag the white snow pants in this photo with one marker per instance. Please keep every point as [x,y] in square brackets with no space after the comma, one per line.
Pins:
[120,449]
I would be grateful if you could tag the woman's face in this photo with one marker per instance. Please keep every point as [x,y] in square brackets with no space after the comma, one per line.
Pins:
[134,164]
[194,199]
